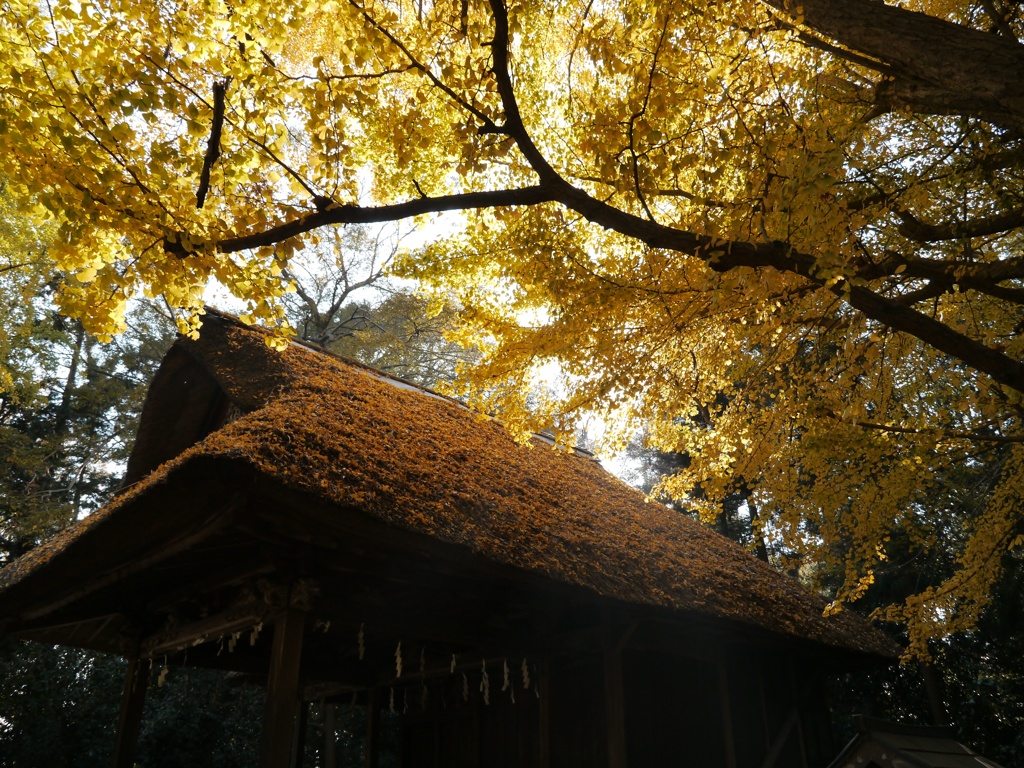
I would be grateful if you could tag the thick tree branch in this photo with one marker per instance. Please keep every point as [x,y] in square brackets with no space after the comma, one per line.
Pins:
[936,288]
[916,230]
[932,290]
[941,435]
[936,65]
[719,255]
[514,125]
[997,17]
[353,214]
[1011,295]
[1000,367]
[213,145]
[975,274]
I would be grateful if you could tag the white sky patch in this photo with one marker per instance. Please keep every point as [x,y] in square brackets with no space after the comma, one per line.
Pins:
[619,463]
[217,295]
[550,378]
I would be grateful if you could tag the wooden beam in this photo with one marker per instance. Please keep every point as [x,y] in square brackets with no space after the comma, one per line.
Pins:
[175,542]
[130,720]
[777,745]
[282,690]
[224,623]
[765,723]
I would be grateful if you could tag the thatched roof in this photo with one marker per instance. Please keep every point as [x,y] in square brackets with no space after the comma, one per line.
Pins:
[367,445]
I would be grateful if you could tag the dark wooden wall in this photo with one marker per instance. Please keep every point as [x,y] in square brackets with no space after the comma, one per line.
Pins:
[577,711]
[735,711]
[449,731]
[673,712]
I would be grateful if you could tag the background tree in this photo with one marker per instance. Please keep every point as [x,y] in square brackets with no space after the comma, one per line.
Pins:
[345,301]
[69,408]
[809,212]
[68,412]
[68,421]
[342,269]
[68,405]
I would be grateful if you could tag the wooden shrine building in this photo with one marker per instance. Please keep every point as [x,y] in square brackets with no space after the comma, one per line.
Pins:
[344,534]
[879,744]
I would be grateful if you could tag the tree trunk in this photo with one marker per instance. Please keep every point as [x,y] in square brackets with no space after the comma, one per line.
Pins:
[760,548]
[934,66]
[933,688]
[64,409]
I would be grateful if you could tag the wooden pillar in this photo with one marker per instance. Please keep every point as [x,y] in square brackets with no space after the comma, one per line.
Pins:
[616,637]
[282,691]
[330,756]
[727,725]
[615,704]
[798,698]
[130,720]
[543,683]
[299,736]
[372,750]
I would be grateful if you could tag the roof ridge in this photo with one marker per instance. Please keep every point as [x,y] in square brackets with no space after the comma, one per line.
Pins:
[391,378]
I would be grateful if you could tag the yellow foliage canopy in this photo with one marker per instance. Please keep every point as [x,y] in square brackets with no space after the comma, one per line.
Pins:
[785,236]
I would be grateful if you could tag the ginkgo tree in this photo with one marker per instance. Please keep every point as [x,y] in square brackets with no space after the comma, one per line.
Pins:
[784,235]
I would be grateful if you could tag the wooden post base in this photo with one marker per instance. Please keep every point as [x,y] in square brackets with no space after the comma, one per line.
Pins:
[130,720]
[278,743]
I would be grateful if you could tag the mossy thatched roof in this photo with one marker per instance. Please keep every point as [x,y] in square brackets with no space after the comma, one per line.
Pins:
[366,445]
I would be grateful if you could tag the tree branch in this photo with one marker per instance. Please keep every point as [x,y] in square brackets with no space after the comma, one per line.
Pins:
[936,66]
[354,214]
[1002,368]
[941,434]
[996,16]
[914,229]
[213,145]
[416,64]
[514,125]
[719,255]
